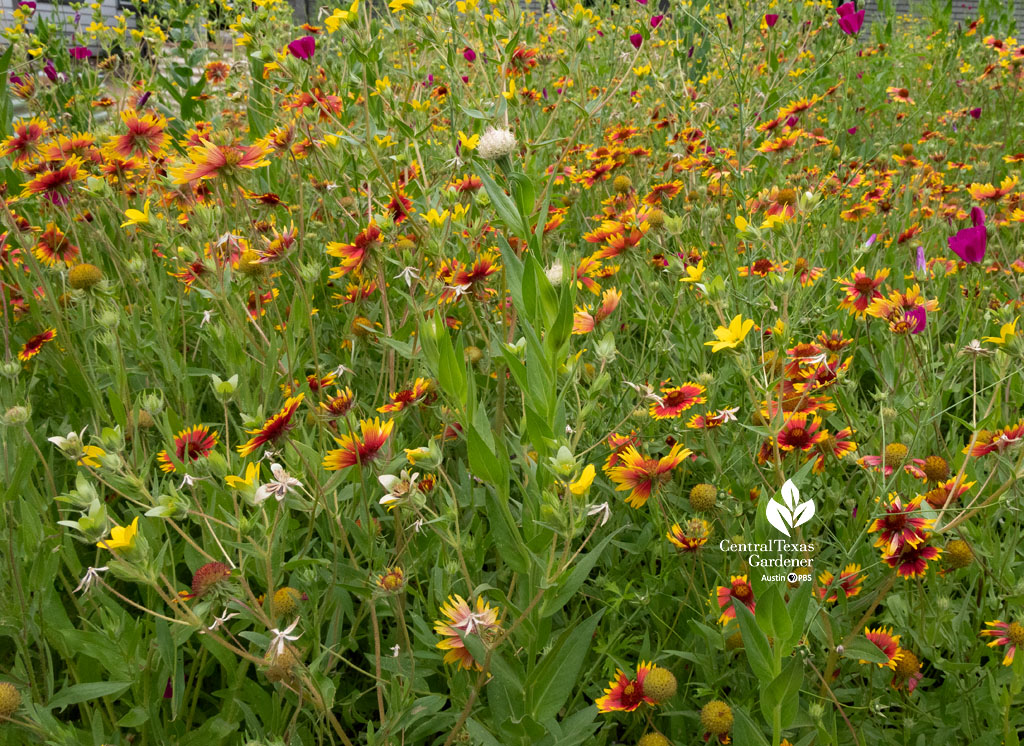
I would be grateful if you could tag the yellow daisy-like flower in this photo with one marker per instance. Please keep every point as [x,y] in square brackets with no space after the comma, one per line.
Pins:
[121,537]
[581,484]
[731,336]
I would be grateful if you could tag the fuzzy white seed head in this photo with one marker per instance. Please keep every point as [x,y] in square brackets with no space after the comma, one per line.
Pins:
[496,143]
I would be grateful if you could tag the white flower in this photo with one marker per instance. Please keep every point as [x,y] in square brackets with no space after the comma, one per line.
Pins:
[604,510]
[728,414]
[496,143]
[396,650]
[555,273]
[279,487]
[218,621]
[397,487]
[207,315]
[91,577]
[282,637]
[341,370]
[409,274]
[70,445]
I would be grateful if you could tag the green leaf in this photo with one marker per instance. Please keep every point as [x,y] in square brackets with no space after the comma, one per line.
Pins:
[772,616]
[77,693]
[863,649]
[798,605]
[744,731]
[755,643]
[503,204]
[551,683]
[579,573]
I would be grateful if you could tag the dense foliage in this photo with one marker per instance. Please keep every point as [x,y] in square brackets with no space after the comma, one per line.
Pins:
[626,374]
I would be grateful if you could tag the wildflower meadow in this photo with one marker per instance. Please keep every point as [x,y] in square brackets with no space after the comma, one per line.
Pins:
[643,373]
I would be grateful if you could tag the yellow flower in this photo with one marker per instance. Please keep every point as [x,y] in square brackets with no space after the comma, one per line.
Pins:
[741,223]
[435,219]
[339,16]
[732,335]
[468,142]
[252,473]
[384,142]
[464,6]
[135,217]
[642,71]
[1006,331]
[582,484]
[693,274]
[511,92]
[397,6]
[90,454]
[121,537]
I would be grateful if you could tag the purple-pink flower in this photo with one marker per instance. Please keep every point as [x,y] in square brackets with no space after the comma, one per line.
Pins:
[975,112]
[850,19]
[636,40]
[970,243]
[303,47]
[80,53]
[770,19]
[919,317]
[469,54]
[656,21]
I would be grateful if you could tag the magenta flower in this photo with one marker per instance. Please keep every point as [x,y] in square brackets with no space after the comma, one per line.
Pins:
[469,54]
[977,216]
[50,71]
[642,2]
[656,21]
[975,112]
[80,53]
[770,19]
[970,243]
[303,47]
[636,40]
[27,4]
[921,263]
[852,130]
[850,19]
[920,318]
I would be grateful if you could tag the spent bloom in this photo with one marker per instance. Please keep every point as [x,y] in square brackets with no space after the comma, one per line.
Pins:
[496,143]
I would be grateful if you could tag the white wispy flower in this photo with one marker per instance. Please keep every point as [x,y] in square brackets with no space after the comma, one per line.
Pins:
[604,510]
[278,488]
[282,637]
[91,577]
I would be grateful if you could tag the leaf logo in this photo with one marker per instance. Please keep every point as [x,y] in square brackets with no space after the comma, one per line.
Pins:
[791,514]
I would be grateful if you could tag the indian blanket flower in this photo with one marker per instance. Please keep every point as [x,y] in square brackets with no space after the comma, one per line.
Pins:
[732,335]
[837,445]
[691,538]
[900,525]
[353,255]
[208,161]
[800,432]
[907,671]
[739,589]
[420,390]
[53,247]
[625,694]
[462,619]
[147,136]
[34,344]
[861,290]
[191,444]
[355,450]
[986,442]
[883,639]
[274,428]
[1008,634]
[675,400]
[642,475]
[584,322]
[912,561]
[849,580]
[892,458]
[56,183]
